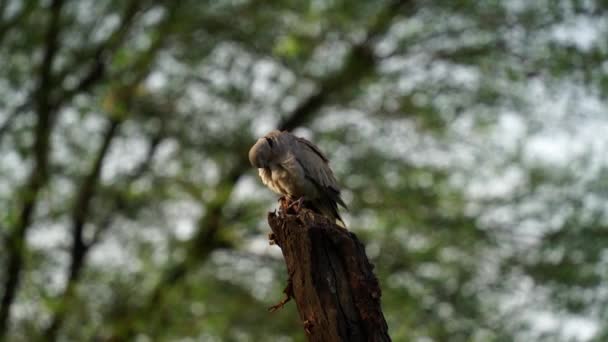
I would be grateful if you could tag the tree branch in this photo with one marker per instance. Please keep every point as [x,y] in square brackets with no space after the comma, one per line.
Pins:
[18,18]
[80,247]
[79,216]
[140,68]
[10,118]
[359,63]
[39,173]
[117,200]
[95,73]
[2,8]
[99,55]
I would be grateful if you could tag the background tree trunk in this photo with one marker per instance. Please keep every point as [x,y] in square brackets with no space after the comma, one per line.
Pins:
[330,278]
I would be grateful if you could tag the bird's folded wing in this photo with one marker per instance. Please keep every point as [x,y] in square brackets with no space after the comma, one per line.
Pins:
[316,168]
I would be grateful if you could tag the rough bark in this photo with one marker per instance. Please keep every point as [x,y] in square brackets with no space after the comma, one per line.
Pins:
[330,278]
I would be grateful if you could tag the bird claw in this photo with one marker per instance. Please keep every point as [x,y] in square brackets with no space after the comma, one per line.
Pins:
[284,203]
[297,204]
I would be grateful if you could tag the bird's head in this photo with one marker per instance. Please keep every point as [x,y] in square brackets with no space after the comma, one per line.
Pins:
[261,154]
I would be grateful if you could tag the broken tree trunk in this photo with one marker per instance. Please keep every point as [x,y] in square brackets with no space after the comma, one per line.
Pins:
[330,278]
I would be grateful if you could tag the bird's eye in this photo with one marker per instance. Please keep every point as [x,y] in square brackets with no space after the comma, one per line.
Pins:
[269,141]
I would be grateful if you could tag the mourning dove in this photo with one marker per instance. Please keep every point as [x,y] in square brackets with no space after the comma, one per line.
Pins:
[295,167]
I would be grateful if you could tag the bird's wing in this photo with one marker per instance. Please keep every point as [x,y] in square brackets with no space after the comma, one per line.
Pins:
[314,148]
[317,170]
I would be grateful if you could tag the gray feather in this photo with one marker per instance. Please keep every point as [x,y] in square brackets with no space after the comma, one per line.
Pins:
[296,167]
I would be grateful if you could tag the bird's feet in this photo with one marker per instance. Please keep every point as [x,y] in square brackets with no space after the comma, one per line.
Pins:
[297,204]
[283,203]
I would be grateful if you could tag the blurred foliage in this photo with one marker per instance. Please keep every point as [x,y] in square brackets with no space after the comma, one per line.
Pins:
[130,210]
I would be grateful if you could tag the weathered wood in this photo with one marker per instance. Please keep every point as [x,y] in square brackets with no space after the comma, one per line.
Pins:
[330,278]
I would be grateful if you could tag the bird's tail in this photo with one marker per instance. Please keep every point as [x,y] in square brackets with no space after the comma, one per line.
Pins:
[329,209]
[341,224]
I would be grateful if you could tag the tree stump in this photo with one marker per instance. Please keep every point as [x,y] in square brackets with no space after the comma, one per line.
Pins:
[330,278]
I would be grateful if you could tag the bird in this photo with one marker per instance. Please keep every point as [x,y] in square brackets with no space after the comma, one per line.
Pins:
[295,167]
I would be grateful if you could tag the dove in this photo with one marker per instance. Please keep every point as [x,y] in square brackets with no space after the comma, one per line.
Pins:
[294,167]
